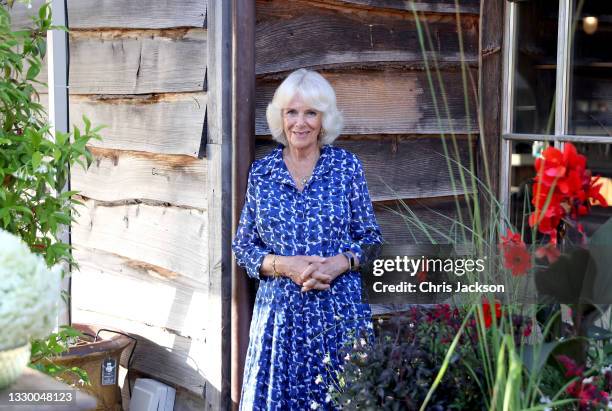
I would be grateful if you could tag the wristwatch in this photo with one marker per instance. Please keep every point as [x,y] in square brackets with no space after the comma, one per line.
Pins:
[351,260]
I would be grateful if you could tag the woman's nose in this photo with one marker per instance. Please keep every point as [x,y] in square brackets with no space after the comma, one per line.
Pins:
[301,119]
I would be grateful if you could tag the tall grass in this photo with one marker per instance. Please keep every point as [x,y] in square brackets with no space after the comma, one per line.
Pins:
[512,372]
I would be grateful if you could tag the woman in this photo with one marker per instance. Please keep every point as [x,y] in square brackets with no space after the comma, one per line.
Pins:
[306,219]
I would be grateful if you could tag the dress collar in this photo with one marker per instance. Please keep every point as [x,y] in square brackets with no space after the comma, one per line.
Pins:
[278,170]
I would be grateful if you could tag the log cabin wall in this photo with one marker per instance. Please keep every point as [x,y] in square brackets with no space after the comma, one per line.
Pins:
[142,236]
[371,53]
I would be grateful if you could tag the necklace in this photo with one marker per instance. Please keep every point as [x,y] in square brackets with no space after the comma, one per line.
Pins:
[293,170]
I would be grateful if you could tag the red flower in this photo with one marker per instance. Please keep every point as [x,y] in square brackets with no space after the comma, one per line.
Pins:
[571,369]
[527,330]
[515,254]
[487,314]
[563,187]
[549,251]
[511,238]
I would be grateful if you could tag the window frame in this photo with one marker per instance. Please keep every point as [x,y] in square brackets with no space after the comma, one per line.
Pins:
[562,103]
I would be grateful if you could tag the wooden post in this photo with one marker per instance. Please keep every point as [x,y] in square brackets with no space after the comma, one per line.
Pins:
[490,91]
[218,152]
[243,142]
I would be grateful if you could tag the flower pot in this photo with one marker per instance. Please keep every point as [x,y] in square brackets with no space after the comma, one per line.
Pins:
[12,363]
[95,357]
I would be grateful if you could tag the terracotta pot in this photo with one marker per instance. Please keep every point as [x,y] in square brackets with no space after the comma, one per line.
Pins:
[96,358]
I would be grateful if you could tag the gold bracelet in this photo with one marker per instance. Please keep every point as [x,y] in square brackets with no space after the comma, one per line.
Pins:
[275,273]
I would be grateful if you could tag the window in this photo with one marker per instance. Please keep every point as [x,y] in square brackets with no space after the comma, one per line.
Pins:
[557,88]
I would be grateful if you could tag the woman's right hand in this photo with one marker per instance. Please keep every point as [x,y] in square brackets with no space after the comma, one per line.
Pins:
[294,266]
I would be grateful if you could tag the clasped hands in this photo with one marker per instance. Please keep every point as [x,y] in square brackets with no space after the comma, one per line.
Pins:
[312,272]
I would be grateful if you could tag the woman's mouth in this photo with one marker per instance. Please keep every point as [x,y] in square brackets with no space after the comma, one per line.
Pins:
[301,134]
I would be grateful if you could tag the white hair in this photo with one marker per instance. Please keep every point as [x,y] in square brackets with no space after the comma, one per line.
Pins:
[317,93]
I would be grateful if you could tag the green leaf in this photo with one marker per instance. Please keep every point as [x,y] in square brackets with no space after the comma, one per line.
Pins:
[536,356]
[36,160]
[33,72]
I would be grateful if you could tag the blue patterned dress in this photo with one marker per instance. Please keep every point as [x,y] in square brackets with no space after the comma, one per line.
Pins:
[296,338]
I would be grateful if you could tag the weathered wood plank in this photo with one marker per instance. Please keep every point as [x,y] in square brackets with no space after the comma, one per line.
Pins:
[427,6]
[164,299]
[169,237]
[390,102]
[137,62]
[119,175]
[137,13]
[164,124]
[159,353]
[405,169]
[436,220]
[123,14]
[291,36]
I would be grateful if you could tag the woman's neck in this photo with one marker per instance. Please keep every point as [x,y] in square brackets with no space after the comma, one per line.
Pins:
[303,155]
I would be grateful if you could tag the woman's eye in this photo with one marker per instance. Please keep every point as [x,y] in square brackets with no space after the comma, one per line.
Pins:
[290,112]
[311,113]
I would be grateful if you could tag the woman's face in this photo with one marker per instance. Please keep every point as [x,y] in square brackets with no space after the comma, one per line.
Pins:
[301,124]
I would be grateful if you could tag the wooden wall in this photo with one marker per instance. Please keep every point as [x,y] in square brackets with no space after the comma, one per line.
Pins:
[142,237]
[404,108]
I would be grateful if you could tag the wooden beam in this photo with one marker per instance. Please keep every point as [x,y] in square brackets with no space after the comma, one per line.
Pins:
[219,186]
[423,221]
[127,175]
[426,6]
[123,14]
[490,86]
[406,169]
[243,129]
[169,237]
[291,36]
[390,102]
[137,62]
[164,299]
[161,124]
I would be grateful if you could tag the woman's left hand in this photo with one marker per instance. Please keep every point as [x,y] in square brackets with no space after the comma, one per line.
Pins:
[331,267]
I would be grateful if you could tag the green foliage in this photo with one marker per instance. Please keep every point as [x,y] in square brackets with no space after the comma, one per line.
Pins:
[34,163]
[43,352]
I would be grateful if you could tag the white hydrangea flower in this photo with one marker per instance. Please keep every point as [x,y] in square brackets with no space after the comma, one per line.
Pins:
[29,293]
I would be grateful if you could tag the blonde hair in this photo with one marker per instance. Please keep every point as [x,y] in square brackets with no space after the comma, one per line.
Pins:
[317,93]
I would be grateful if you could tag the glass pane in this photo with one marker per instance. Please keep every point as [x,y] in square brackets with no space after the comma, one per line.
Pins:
[522,173]
[599,161]
[535,74]
[591,69]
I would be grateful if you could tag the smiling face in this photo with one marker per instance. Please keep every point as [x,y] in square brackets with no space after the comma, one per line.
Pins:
[301,124]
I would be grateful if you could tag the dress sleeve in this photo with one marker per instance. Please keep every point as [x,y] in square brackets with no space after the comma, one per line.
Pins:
[248,246]
[363,227]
